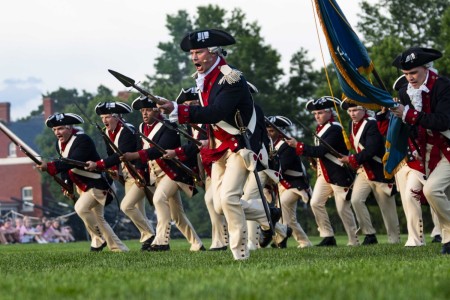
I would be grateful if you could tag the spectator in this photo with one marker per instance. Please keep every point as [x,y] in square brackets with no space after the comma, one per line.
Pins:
[10,232]
[28,234]
[3,239]
[68,233]
[53,234]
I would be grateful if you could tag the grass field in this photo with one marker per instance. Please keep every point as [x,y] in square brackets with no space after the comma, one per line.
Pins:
[69,271]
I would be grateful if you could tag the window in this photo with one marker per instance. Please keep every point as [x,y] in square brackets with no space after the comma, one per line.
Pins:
[27,198]
[12,150]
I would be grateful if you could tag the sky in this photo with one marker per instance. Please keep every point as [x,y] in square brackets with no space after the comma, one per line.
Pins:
[47,44]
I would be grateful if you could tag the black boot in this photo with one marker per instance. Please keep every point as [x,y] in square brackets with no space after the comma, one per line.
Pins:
[446,248]
[147,243]
[283,243]
[99,249]
[328,241]
[370,239]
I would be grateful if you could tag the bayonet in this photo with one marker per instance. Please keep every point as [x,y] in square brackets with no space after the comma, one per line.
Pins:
[129,82]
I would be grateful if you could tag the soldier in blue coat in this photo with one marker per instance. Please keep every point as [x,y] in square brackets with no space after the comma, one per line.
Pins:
[166,177]
[368,144]
[133,204]
[92,186]
[333,178]
[224,94]
[425,108]
[294,182]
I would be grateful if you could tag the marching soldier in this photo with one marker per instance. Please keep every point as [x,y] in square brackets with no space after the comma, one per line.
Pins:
[223,94]
[410,178]
[425,107]
[92,186]
[294,183]
[166,176]
[219,227]
[333,178]
[133,204]
[251,192]
[368,144]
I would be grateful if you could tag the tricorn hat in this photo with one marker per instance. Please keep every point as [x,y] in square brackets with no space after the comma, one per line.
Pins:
[187,95]
[400,82]
[346,104]
[206,38]
[322,103]
[142,102]
[415,57]
[279,121]
[61,119]
[105,108]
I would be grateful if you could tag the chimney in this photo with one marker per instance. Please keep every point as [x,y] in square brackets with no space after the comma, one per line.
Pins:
[47,103]
[123,95]
[5,112]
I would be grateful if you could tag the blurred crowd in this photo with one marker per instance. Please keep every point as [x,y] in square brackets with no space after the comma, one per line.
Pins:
[30,230]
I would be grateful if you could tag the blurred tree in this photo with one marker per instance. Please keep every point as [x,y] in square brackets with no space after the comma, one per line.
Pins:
[417,22]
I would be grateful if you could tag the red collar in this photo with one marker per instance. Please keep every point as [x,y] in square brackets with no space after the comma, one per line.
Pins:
[113,134]
[64,144]
[147,128]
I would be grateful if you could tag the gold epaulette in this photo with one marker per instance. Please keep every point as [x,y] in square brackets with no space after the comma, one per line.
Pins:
[229,75]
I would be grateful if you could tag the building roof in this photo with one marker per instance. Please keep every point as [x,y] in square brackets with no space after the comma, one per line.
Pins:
[28,130]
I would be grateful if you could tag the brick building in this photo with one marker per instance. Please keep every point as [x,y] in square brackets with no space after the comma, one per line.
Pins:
[19,178]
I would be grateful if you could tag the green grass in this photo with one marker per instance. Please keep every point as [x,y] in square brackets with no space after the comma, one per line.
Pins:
[69,271]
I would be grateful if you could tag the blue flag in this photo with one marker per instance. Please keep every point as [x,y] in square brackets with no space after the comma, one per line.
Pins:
[352,64]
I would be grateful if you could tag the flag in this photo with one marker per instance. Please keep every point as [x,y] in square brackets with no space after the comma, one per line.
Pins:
[352,64]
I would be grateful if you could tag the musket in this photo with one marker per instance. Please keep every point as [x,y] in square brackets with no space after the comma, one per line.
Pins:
[312,161]
[37,206]
[179,130]
[129,82]
[333,152]
[330,149]
[163,151]
[66,187]
[198,128]
[139,179]
[245,133]
[73,162]
[82,164]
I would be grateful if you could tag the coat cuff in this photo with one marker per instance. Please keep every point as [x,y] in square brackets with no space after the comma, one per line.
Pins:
[411,116]
[51,168]
[353,163]
[101,165]
[299,148]
[183,114]
[181,154]
[143,155]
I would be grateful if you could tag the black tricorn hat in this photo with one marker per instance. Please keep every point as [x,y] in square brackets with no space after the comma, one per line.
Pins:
[189,94]
[105,108]
[400,82]
[279,121]
[61,119]
[142,102]
[206,38]
[346,104]
[322,103]
[415,57]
